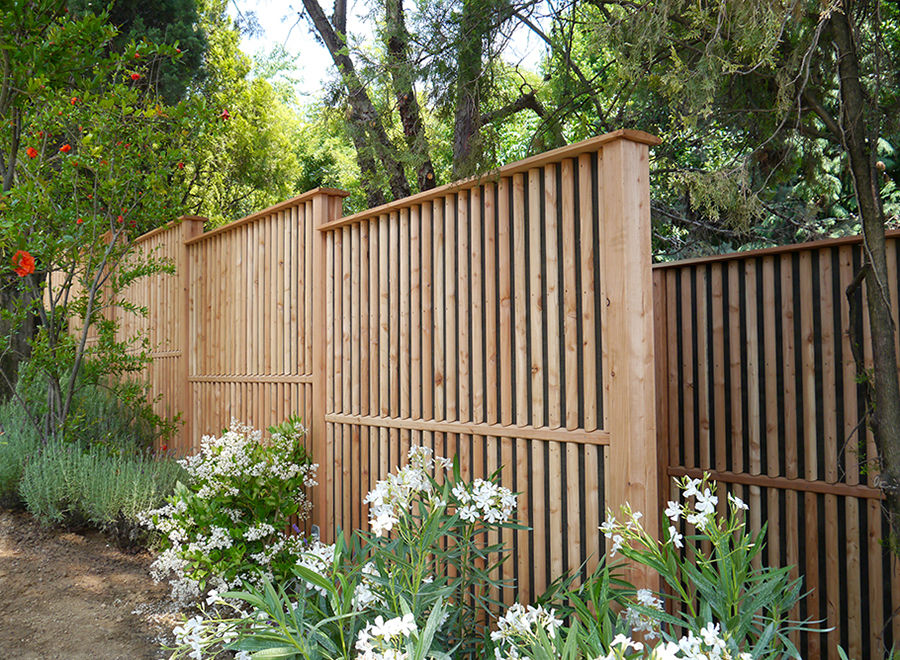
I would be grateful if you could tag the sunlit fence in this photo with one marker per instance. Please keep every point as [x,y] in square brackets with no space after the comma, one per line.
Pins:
[505,318]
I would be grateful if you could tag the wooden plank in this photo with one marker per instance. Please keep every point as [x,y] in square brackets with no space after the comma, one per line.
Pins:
[536,310]
[440,302]
[520,323]
[478,325]
[575,495]
[702,362]
[629,290]
[718,311]
[373,301]
[578,436]
[451,364]
[570,293]
[384,338]
[427,314]
[415,306]
[504,292]
[781,483]
[464,321]
[490,306]
[753,402]
[589,391]
[552,303]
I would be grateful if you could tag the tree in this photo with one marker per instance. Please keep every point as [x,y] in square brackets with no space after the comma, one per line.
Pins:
[449,48]
[789,82]
[94,155]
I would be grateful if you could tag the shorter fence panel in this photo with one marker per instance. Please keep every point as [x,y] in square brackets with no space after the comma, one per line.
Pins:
[761,391]
[250,356]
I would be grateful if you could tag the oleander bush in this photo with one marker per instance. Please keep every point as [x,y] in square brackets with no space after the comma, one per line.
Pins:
[387,593]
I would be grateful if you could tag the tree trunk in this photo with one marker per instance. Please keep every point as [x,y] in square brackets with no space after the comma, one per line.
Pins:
[363,112]
[860,149]
[402,76]
[466,143]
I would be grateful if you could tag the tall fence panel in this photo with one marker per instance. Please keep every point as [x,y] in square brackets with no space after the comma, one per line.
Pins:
[475,319]
[757,384]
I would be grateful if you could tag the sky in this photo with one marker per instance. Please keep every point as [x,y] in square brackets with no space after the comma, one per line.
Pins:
[282,25]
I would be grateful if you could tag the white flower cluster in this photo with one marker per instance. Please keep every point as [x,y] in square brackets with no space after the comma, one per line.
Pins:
[364,596]
[393,495]
[708,645]
[612,530]
[484,500]
[318,558]
[521,624]
[258,531]
[384,640]
[640,622]
[191,634]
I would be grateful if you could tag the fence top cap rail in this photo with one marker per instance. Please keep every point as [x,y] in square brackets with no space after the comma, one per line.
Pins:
[289,203]
[771,251]
[166,227]
[538,160]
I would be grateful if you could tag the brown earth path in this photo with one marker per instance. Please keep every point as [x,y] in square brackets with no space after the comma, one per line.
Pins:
[72,595]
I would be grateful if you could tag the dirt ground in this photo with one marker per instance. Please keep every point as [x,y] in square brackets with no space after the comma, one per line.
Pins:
[71,595]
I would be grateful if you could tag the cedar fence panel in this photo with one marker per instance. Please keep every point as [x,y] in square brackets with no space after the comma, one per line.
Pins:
[757,384]
[505,319]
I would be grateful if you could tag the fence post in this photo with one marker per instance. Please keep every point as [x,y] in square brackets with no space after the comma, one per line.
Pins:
[627,290]
[327,205]
[191,226]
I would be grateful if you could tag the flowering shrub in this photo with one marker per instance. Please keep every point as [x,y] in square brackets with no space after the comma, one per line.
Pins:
[729,610]
[393,597]
[227,524]
[420,582]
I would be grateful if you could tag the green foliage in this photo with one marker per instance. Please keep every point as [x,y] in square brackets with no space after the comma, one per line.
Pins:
[19,440]
[74,485]
[228,519]
[93,158]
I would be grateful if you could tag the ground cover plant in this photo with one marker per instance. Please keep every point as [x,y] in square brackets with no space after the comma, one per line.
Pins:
[419,585]
[225,524]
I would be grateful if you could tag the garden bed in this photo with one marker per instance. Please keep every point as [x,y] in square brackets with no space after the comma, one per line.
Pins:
[75,595]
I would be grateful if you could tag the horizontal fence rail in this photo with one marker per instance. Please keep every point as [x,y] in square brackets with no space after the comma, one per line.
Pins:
[757,384]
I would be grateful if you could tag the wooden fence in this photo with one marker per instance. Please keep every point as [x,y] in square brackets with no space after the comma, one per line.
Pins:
[757,385]
[506,319]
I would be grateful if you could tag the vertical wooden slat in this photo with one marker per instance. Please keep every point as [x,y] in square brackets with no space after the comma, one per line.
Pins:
[554,360]
[588,277]
[570,293]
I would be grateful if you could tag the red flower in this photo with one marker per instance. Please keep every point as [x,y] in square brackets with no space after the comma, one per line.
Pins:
[79,221]
[165,448]
[66,148]
[23,262]
[180,166]
[225,115]
[120,219]
[137,56]
[135,76]
[32,152]
[74,100]
[177,50]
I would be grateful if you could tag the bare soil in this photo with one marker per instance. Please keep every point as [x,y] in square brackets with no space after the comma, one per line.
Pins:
[71,595]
